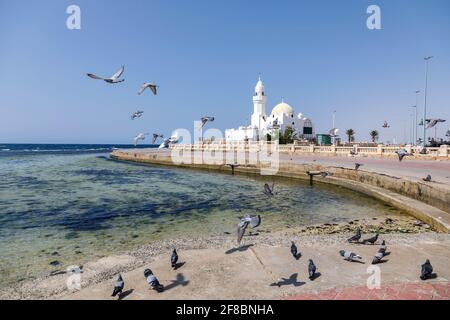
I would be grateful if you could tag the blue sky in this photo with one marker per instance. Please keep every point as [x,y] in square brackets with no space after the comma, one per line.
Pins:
[206,56]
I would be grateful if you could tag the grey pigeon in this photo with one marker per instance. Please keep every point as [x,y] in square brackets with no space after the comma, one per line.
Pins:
[427,179]
[311,270]
[151,86]
[325,174]
[118,286]
[349,256]
[401,154]
[433,122]
[268,190]
[113,79]
[294,251]
[247,220]
[153,281]
[174,258]
[156,136]
[204,120]
[357,165]
[371,240]
[356,237]
[137,114]
[427,271]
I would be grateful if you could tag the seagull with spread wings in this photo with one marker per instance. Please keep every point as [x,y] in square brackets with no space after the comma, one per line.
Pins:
[153,87]
[113,79]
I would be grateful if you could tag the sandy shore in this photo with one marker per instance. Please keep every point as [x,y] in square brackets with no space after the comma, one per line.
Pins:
[215,269]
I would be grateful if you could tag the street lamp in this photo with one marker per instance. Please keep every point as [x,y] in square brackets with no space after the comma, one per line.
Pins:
[415,125]
[427,59]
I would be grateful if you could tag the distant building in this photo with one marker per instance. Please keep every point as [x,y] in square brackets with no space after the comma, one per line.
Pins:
[281,117]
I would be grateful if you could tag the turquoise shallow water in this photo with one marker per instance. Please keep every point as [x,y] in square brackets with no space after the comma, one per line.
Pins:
[78,207]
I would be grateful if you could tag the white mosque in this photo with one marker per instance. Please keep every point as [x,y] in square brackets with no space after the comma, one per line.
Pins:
[281,117]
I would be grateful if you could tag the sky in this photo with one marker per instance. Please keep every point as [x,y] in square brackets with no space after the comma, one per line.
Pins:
[206,56]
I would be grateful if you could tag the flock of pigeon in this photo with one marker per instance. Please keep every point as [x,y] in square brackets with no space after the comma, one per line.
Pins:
[116,78]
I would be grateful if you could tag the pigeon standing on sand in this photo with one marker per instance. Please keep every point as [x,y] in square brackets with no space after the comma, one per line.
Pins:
[427,271]
[268,190]
[401,154]
[174,258]
[371,240]
[204,120]
[153,281]
[349,256]
[427,179]
[380,254]
[357,165]
[356,237]
[294,251]
[113,79]
[245,221]
[151,86]
[118,286]
[311,270]
[325,174]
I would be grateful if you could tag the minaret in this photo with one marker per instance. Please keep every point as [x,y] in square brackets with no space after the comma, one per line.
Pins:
[259,105]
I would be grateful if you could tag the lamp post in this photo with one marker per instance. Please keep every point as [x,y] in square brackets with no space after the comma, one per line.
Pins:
[427,59]
[415,125]
[417,92]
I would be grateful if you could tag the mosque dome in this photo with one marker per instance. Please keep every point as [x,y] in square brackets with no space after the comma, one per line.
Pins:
[282,108]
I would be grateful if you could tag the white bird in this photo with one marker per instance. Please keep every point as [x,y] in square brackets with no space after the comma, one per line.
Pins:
[432,122]
[140,136]
[166,142]
[137,114]
[333,132]
[150,86]
[113,79]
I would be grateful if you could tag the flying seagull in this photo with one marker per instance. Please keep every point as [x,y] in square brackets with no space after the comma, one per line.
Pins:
[174,258]
[371,240]
[140,136]
[427,179]
[401,154]
[432,122]
[137,114]
[245,221]
[334,132]
[297,255]
[153,281]
[268,190]
[357,165]
[166,142]
[386,125]
[204,120]
[356,237]
[113,79]
[118,287]
[311,270]
[349,256]
[427,271]
[146,85]
[156,136]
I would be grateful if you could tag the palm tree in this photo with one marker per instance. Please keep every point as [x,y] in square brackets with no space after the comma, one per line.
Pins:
[374,135]
[350,134]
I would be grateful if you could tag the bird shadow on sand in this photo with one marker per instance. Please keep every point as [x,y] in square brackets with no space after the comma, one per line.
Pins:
[356,261]
[316,275]
[240,249]
[381,261]
[125,294]
[179,265]
[179,281]
[292,280]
